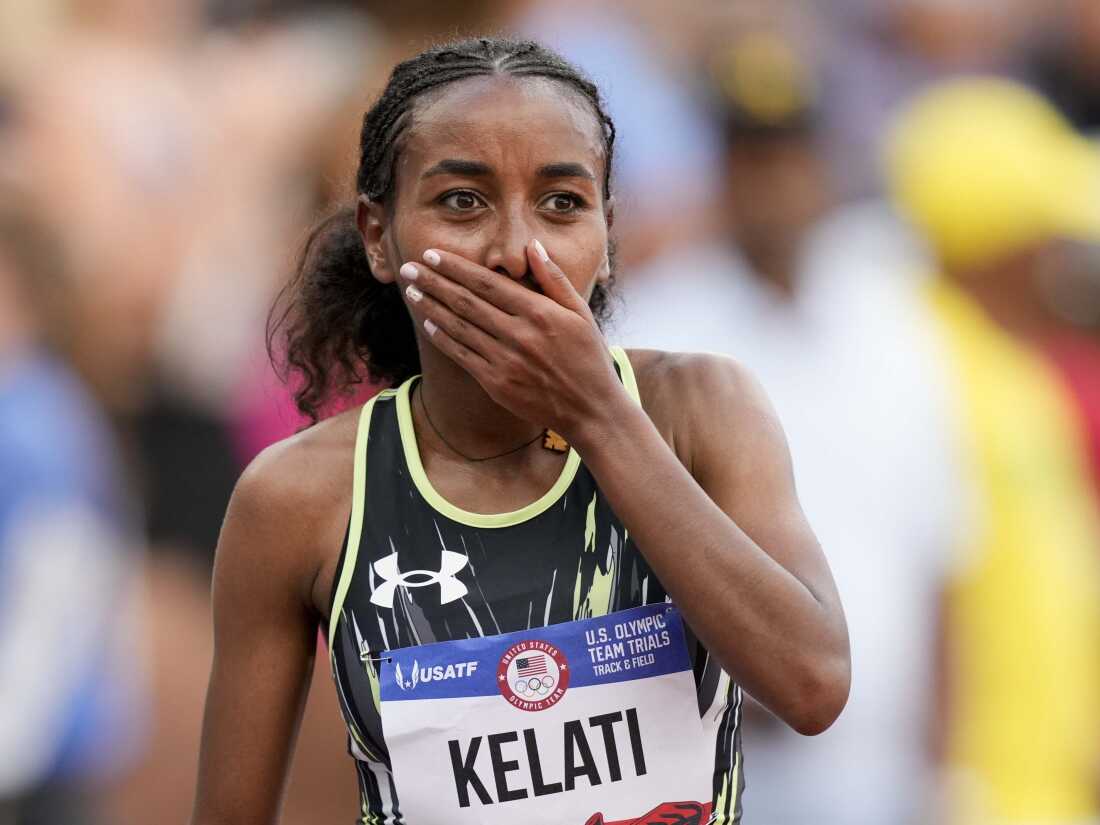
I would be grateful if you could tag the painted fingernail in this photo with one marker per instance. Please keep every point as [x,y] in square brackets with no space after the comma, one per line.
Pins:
[413,293]
[431,257]
[540,250]
[409,271]
[429,326]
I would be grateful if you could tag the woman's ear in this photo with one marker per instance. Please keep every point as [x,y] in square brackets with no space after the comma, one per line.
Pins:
[603,274]
[371,218]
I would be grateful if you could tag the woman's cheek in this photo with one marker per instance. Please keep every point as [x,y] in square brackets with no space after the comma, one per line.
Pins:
[587,269]
[467,238]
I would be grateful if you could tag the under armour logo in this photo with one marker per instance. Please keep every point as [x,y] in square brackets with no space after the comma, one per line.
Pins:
[450,588]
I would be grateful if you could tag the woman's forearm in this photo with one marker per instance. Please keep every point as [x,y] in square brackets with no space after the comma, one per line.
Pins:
[771,632]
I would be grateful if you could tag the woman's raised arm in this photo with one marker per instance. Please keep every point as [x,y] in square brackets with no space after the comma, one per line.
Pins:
[718,519]
[725,533]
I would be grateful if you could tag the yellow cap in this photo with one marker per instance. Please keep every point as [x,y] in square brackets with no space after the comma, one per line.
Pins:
[762,84]
[985,167]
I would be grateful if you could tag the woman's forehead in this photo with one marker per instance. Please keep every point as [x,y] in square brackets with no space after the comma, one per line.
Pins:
[505,120]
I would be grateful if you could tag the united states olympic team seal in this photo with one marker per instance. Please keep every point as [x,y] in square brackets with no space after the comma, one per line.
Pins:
[533,675]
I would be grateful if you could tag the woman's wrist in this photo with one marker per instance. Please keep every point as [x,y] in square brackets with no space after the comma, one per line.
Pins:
[600,429]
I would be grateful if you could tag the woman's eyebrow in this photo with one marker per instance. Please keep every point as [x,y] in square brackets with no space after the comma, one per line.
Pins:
[565,170]
[476,169]
[454,166]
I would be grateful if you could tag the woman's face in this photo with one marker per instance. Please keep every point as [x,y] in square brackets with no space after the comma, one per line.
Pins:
[488,164]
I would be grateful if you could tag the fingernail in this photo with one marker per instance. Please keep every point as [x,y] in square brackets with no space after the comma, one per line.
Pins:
[409,271]
[413,293]
[429,326]
[540,250]
[431,257]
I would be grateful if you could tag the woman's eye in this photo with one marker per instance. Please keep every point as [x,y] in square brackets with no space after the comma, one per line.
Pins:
[562,202]
[462,201]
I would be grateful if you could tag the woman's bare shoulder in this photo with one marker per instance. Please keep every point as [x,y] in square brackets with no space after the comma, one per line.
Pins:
[291,504]
[673,384]
[695,397]
[304,470]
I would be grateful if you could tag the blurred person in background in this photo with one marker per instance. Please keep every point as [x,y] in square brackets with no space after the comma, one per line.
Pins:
[1064,296]
[71,689]
[994,178]
[793,294]
[879,52]
[177,170]
[109,134]
[1066,65]
[109,130]
[1067,313]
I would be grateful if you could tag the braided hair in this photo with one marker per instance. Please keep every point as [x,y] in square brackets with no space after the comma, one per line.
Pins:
[334,324]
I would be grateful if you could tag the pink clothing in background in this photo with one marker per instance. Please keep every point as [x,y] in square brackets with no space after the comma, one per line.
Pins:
[265,412]
[1077,358]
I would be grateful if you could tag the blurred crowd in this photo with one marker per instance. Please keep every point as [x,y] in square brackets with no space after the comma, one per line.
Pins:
[889,210]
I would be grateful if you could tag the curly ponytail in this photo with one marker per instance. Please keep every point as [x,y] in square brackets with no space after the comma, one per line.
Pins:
[338,324]
[333,325]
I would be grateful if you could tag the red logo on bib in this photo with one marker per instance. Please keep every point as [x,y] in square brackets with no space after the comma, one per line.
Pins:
[533,675]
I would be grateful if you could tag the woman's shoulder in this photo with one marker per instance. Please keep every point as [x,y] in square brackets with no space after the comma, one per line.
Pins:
[693,397]
[666,380]
[296,465]
[297,492]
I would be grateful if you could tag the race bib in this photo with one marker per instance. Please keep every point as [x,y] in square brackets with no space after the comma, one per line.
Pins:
[591,722]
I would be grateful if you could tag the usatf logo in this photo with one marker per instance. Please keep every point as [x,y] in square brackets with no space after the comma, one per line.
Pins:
[450,588]
[533,675]
[436,673]
[412,681]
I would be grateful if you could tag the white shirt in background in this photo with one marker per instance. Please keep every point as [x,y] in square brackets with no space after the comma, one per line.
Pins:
[852,371]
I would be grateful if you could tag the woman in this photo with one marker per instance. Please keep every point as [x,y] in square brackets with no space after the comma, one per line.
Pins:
[504,619]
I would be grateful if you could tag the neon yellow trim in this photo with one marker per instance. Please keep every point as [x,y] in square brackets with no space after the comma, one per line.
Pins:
[577,591]
[729,787]
[730,780]
[355,528]
[435,500]
[735,784]
[375,687]
[597,601]
[590,526]
[627,372]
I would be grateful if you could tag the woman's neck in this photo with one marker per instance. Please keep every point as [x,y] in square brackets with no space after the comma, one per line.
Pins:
[463,413]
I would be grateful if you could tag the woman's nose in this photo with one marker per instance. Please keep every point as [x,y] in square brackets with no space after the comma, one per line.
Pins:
[507,252]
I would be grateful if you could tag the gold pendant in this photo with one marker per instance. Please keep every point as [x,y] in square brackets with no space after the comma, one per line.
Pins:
[554,442]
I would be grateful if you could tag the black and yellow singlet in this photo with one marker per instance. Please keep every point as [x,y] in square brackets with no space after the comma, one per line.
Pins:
[563,557]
